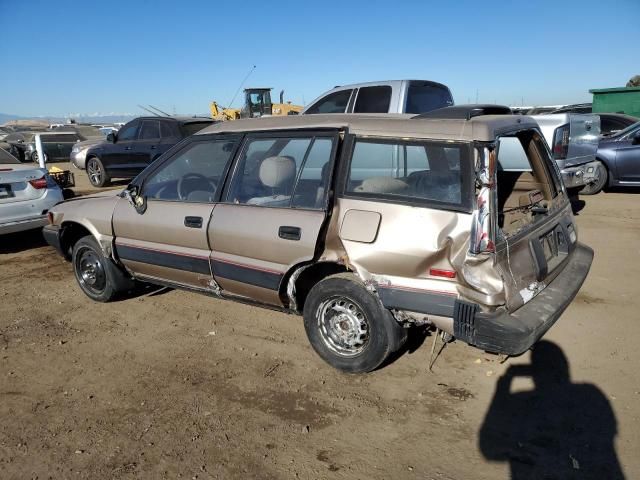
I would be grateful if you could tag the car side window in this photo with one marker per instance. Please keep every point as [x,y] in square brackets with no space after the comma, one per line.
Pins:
[333,103]
[373,99]
[407,171]
[150,130]
[165,130]
[128,132]
[194,174]
[282,172]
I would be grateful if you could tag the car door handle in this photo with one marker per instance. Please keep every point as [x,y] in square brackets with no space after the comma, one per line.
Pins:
[127,148]
[193,222]
[153,147]
[290,233]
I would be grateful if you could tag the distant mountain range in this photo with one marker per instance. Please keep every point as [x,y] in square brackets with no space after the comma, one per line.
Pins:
[98,118]
[81,118]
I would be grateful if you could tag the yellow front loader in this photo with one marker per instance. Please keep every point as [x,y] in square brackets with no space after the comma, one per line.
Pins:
[257,104]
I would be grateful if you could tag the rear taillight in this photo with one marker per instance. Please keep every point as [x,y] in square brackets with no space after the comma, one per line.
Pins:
[439,272]
[39,183]
[561,142]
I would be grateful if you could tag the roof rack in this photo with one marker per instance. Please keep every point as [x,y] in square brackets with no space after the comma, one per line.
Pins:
[466,112]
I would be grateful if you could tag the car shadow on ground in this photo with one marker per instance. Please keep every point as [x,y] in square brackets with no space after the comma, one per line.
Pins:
[21,241]
[631,190]
[558,430]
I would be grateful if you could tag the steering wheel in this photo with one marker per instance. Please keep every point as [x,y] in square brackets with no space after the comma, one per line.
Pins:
[196,176]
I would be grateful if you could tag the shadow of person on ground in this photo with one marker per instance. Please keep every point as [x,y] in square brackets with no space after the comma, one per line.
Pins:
[559,430]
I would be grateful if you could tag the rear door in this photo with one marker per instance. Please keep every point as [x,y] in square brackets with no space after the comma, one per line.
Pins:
[534,225]
[168,241]
[272,213]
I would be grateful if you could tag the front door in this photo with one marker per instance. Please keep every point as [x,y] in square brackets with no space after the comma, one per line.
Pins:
[168,241]
[272,213]
[147,145]
[117,157]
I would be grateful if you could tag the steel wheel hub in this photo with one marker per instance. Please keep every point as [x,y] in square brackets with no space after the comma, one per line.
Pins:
[343,326]
[91,271]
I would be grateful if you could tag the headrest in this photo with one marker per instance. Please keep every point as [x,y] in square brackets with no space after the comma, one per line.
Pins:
[276,171]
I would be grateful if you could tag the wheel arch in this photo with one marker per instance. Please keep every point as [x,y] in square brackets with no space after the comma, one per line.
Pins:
[301,278]
[72,231]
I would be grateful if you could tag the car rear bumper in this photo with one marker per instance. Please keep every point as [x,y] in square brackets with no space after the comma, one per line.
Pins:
[28,214]
[51,234]
[513,333]
[580,175]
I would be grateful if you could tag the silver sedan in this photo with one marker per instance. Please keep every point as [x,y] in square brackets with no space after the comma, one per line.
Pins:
[27,192]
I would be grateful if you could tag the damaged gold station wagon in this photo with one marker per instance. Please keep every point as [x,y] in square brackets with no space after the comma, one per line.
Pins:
[364,224]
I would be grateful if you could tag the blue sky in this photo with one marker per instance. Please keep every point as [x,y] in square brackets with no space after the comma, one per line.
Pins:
[67,56]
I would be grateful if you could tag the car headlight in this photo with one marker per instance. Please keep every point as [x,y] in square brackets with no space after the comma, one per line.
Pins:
[75,149]
[30,148]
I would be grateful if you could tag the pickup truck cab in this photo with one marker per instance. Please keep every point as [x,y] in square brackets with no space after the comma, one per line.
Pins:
[362,224]
[389,96]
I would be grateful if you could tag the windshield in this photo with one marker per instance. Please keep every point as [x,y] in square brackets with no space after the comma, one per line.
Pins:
[626,131]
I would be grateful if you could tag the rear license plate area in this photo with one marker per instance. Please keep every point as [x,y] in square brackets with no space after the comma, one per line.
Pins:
[549,250]
[5,191]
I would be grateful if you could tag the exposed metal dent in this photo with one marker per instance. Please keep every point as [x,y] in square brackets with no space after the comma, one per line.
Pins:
[291,287]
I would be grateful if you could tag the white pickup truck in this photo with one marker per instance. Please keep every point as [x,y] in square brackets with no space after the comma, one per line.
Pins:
[573,138]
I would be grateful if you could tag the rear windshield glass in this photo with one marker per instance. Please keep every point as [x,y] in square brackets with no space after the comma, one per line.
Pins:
[194,127]
[425,97]
[416,172]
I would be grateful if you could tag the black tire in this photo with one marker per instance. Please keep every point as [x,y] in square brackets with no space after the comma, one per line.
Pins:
[599,184]
[34,157]
[366,333]
[96,172]
[99,278]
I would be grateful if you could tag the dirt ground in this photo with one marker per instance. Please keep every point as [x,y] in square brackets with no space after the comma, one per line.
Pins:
[173,384]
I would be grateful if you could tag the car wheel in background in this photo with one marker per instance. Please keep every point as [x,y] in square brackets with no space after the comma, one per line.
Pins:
[34,157]
[348,326]
[98,176]
[599,184]
[99,278]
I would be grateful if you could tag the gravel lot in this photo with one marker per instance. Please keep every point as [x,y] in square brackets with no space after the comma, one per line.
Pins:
[172,384]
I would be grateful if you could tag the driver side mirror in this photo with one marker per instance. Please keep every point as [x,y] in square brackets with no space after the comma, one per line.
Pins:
[112,137]
[635,139]
[134,197]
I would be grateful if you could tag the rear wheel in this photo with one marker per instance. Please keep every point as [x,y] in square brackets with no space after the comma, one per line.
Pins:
[99,278]
[599,184]
[348,326]
[98,176]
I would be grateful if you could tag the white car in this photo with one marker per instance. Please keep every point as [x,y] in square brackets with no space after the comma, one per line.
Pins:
[27,192]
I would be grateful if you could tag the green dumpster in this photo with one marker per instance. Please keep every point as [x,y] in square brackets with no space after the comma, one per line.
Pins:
[617,100]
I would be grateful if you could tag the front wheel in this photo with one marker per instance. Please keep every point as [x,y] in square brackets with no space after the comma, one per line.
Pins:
[599,184]
[348,326]
[99,278]
[96,172]
[35,158]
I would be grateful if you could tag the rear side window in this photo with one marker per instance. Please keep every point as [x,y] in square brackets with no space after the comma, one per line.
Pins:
[166,131]
[373,99]
[194,127]
[433,173]
[333,103]
[150,130]
[60,138]
[424,97]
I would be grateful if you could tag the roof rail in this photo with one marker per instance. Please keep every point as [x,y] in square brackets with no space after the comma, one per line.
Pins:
[466,112]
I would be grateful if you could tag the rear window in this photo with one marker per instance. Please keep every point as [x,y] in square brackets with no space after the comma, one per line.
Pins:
[424,97]
[373,99]
[194,127]
[335,102]
[433,173]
